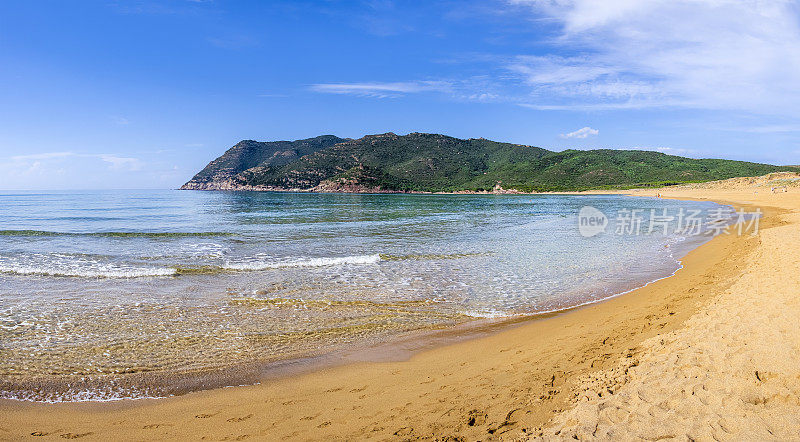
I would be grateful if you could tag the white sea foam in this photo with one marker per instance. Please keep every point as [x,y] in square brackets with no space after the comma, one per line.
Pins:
[95,272]
[205,250]
[490,314]
[59,265]
[107,394]
[67,265]
[303,262]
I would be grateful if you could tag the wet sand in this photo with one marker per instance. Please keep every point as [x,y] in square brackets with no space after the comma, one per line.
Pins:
[719,328]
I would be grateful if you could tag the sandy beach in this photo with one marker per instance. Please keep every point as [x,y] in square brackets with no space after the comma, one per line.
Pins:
[709,353]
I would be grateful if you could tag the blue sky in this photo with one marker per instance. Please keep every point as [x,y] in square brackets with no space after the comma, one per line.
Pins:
[141,94]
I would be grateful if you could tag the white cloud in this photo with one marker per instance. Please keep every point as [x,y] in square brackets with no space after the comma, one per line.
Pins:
[583,132]
[42,156]
[117,162]
[712,54]
[38,161]
[482,96]
[738,55]
[768,129]
[582,107]
[382,90]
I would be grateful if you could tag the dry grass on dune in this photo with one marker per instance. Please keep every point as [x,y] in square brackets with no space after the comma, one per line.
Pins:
[777,179]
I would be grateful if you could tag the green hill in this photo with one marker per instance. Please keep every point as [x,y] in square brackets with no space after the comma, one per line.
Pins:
[434,163]
[247,154]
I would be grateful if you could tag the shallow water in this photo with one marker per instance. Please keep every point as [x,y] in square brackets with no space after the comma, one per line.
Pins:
[103,285]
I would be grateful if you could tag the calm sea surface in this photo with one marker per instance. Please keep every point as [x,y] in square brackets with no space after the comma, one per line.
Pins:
[99,288]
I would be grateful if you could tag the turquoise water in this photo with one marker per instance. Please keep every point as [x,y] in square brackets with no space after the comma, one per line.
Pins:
[104,285]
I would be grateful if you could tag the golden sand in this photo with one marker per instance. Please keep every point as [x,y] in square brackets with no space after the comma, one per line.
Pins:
[708,353]
[732,372]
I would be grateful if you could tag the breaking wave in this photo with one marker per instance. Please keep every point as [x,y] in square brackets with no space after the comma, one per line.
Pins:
[303,262]
[93,271]
[71,266]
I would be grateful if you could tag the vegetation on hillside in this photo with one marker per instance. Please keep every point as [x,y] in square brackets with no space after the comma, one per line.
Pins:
[434,163]
[247,154]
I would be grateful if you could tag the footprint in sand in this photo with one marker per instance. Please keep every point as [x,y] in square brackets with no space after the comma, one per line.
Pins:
[405,431]
[153,426]
[204,415]
[75,435]
[476,417]
[240,419]
[39,433]
[239,437]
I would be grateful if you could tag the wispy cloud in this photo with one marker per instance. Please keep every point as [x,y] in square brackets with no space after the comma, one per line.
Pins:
[583,132]
[624,54]
[382,90]
[42,156]
[119,162]
[711,54]
[767,129]
[587,107]
[38,160]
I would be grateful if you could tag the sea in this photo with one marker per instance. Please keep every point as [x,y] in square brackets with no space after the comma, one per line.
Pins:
[108,295]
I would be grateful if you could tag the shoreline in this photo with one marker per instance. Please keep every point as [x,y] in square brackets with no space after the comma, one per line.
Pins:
[550,376]
[396,348]
[155,385]
[497,190]
[730,372]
